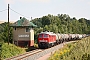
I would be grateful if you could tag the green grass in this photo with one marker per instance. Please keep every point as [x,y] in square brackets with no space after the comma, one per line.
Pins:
[10,50]
[79,50]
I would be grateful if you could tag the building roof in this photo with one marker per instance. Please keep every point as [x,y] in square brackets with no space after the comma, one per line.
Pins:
[23,22]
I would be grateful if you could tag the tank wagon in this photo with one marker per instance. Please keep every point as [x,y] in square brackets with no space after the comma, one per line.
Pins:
[49,39]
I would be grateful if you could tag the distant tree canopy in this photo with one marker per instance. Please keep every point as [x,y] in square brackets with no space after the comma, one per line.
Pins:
[62,23]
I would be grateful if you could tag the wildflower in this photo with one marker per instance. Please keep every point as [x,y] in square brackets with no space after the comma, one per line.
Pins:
[61,52]
[68,50]
[65,51]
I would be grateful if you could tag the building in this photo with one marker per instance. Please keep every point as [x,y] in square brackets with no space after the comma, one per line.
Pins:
[23,33]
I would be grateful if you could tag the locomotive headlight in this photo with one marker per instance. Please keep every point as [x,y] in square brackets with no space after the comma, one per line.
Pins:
[46,40]
[43,40]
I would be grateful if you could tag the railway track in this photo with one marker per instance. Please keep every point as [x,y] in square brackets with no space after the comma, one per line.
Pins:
[20,57]
[35,54]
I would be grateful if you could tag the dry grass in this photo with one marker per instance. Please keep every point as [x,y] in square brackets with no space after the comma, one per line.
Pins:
[5,21]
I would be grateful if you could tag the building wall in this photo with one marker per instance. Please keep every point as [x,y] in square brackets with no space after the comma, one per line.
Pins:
[20,34]
[31,34]
[23,38]
[31,38]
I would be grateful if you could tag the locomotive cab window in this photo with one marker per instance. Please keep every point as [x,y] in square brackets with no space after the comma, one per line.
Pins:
[45,36]
[40,36]
[27,29]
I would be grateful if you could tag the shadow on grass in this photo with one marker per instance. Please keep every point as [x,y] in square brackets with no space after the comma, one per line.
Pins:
[31,48]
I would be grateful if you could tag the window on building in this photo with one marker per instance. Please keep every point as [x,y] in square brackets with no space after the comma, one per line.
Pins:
[15,28]
[27,29]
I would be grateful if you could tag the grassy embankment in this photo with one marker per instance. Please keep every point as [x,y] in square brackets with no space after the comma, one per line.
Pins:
[10,50]
[79,50]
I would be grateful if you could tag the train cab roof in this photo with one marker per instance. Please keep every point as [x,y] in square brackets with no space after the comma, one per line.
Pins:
[50,33]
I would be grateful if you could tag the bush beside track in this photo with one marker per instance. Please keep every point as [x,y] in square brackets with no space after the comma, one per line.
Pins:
[79,50]
[10,50]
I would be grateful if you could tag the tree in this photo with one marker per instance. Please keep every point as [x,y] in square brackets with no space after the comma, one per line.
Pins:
[45,20]
[46,28]
[4,34]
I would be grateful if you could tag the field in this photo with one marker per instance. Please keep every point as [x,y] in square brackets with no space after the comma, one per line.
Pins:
[79,50]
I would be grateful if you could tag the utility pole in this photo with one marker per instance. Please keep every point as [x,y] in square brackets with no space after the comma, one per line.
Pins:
[31,18]
[8,24]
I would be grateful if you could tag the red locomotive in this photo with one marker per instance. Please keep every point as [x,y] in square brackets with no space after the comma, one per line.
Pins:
[46,39]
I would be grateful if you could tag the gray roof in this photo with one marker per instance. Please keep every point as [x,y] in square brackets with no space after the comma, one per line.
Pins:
[23,22]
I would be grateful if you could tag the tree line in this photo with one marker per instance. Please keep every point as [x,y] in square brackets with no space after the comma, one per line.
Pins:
[62,23]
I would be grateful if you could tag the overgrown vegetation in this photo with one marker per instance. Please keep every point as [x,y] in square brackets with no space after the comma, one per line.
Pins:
[10,50]
[79,50]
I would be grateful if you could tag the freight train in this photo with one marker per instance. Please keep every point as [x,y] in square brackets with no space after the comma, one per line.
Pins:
[49,39]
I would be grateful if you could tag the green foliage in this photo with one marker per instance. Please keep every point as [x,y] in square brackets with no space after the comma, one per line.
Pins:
[4,32]
[62,23]
[79,50]
[10,50]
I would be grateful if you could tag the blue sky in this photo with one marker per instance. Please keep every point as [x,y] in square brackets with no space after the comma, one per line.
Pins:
[39,8]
